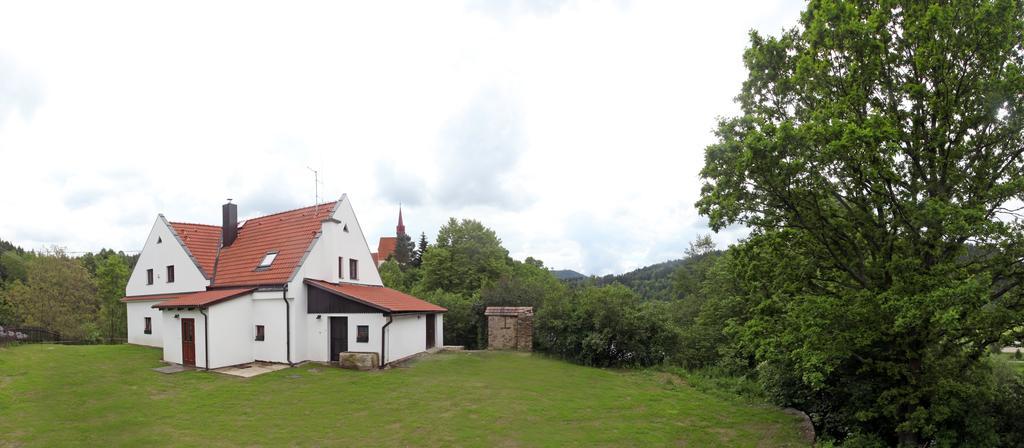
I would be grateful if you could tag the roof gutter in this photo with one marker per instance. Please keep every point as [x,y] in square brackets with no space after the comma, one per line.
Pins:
[287,324]
[206,336]
[383,338]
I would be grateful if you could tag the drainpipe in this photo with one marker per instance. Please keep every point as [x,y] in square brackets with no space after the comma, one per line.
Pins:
[287,324]
[383,331]
[206,336]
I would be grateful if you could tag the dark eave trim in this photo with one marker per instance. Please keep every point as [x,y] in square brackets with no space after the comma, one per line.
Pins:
[314,284]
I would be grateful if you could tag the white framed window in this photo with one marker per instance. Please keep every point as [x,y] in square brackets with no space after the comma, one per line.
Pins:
[267,260]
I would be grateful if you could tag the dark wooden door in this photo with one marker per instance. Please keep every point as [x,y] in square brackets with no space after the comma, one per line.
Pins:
[431,330]
[188,342]
[339,336]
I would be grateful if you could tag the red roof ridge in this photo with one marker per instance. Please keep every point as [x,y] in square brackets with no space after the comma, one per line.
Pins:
[325,204]
[193,224]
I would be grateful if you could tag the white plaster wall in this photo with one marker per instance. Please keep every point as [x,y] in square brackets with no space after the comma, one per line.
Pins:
[187,277]
[172,336]
[318,334]
[407,335]
[232,332]
[269,311]
[137,312]
[322,261]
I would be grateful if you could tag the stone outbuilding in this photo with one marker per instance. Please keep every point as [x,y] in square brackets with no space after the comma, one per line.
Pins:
[509,328]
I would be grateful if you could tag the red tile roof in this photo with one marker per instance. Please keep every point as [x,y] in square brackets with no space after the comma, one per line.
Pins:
[508,310]
[288,233]
[386,247]
[203,299]
[379,297]
[202,242]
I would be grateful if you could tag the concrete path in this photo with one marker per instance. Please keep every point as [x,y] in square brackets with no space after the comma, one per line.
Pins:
[250,370]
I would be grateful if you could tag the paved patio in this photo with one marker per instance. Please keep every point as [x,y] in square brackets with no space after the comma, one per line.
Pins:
[252,369]
[172,368]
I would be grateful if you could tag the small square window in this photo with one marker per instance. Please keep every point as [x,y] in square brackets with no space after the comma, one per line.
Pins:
[170,274]
[353,269]
[267,260]
[149,276]
[259,333]
[363,333]
[149,326]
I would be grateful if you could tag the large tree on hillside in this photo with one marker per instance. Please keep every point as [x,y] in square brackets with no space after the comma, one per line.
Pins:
[111,278]
[886,140]
[59,295]
[465,257]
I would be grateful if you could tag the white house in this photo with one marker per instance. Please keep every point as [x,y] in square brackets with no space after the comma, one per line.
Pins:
[293,286]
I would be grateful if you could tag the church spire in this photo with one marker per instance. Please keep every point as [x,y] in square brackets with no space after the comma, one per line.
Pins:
[400,229]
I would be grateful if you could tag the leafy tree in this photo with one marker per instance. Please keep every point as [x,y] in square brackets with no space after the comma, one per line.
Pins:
[391,275]
[688,280]
[112,276]
[59,295]
[395,277]
[466,256]
[13,266]
[460,320]
[417,259]
[878,142]
[607,326]
[710,317]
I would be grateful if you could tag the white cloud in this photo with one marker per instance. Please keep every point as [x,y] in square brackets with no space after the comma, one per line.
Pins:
[574,129]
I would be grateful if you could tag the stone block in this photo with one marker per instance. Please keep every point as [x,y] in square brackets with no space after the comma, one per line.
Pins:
[358,360]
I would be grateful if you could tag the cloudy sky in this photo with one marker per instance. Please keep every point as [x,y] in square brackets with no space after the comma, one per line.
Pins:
[574,130]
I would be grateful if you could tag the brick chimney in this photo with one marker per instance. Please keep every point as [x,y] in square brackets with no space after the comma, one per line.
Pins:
[229,228]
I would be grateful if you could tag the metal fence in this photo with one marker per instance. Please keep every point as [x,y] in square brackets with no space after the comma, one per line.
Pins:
[36,335]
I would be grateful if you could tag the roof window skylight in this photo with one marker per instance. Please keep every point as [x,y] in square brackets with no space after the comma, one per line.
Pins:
[268,260]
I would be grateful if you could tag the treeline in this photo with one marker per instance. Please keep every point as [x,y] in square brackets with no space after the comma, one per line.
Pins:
[76,297]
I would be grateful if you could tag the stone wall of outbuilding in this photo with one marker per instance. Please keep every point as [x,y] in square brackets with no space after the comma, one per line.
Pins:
[509,328]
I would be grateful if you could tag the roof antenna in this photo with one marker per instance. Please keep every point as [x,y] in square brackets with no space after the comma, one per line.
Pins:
[316,189]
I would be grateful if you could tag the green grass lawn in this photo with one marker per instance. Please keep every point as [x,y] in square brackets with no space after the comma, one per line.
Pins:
[52,395]
[1017,364]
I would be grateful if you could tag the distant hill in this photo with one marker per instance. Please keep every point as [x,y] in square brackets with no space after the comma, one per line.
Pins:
[567,274]
[650,282]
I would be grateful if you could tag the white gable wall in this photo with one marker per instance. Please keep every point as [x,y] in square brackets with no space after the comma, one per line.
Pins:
[321,263]
[157,256]
[138,311]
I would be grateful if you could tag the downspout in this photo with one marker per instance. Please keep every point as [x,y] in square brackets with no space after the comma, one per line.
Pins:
[383,331]
[206,336]
[287,324]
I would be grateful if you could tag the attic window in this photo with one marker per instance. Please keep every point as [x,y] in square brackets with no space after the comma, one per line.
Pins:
[159,240]
[268,260]
[345,228]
